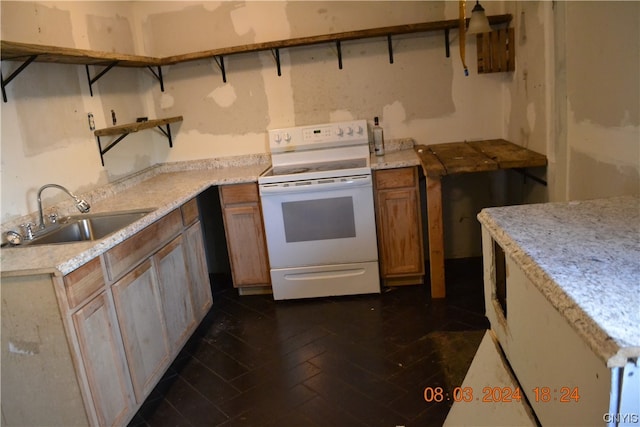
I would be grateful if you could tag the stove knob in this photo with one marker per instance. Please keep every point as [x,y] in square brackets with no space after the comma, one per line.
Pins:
[287,137]
[339,132]
[360,130]
[277,138]
[349,130]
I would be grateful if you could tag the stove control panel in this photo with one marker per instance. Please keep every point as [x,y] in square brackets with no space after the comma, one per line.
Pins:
[319,136]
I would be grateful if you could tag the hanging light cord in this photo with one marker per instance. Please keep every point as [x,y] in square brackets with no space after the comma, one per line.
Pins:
[462,27]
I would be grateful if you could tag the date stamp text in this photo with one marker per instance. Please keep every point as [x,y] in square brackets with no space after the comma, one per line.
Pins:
[501,394]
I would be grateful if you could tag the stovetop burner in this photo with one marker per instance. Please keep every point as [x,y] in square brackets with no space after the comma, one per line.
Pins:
[317,167]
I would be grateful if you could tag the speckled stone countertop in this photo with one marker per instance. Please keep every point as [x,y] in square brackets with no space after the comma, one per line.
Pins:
[398,154]
[163,188]
[585,259]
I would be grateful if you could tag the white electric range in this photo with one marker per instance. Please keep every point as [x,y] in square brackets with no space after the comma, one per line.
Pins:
[317,206]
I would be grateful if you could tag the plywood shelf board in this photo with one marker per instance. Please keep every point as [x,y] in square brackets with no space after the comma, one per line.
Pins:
[27,52]
[459,157]
[122,131]
[476,156]
[14,51]
[508,155]
[135,127]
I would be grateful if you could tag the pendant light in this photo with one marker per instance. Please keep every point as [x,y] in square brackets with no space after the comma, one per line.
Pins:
[478,22]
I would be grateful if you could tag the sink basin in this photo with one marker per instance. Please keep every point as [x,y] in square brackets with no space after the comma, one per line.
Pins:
[80,228]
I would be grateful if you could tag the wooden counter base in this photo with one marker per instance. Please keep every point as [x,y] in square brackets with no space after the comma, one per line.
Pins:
[439,160]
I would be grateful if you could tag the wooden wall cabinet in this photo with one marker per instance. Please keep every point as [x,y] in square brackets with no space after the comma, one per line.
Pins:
[399,224]
[108,330]
[246,242]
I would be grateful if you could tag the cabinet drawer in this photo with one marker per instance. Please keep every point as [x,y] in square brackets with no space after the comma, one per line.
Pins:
[395,178]
[122,257]
[83,282]
[239,193]
[189,212]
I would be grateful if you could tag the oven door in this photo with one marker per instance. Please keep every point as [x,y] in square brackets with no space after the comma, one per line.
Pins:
[320,222]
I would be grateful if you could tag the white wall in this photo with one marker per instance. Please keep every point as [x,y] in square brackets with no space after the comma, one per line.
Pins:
[603,98]
[575,95]
[423,95]
[45,134]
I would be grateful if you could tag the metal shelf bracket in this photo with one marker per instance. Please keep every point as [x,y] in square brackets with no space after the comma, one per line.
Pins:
[276,56]
[100,74]
[390,46]
[158,76]
[92,80]
[167,134]
[526,174]
[446,42]
[220,62]
[6,81]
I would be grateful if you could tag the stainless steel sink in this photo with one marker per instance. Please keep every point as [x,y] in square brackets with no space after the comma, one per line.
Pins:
[78,228]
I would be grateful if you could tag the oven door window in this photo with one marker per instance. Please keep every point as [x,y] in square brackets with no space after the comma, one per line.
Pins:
[319,219]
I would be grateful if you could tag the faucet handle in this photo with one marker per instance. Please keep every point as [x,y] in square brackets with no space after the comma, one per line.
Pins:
[28,230]
[82,205]
[53,218]
[14,237]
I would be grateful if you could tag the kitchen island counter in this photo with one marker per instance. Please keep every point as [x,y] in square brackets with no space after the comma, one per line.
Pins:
[584,257]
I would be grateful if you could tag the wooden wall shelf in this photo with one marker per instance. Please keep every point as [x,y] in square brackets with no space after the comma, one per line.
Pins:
[330,38]
[14,51]
[27,53]
[123,130]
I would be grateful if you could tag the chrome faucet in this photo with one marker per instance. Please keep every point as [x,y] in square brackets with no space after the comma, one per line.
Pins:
[82,205]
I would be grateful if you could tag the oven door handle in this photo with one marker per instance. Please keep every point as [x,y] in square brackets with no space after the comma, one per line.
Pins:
[316,185]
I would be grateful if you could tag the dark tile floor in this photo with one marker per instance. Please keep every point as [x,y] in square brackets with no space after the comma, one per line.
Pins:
[347,361]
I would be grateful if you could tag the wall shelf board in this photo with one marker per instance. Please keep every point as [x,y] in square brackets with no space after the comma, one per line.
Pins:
[27,52]
[15,51]
[329,38]
[121,131]
[135,127]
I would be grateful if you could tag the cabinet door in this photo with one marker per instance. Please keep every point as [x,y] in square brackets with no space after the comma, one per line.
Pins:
[399,226]
[104,360]
[175,293]
[247,245]
[137,301]
[401,245]
[197,269]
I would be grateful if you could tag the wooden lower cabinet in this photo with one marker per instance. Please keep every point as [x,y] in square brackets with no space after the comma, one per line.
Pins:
[104,363]
[399,224]
[245,235]
[175,292]
[88,348]
[197,268]
[142,324]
